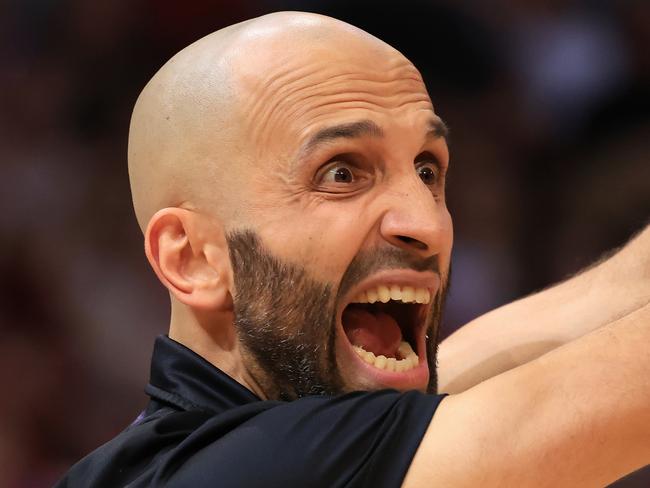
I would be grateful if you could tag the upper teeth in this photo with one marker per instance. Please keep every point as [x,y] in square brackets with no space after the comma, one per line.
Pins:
[384,293]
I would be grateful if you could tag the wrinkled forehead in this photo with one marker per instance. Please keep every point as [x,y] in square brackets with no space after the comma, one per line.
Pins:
[292,89]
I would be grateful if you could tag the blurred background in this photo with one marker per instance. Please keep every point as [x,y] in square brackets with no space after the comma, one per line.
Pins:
[548,102]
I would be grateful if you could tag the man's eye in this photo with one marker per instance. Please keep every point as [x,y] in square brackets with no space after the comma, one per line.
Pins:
[338,174]
[428,173]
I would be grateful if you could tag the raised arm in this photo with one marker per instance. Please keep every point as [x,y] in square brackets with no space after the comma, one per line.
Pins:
[525,329]
[577,416]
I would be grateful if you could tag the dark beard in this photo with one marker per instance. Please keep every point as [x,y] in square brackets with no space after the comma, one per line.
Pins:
[286,320]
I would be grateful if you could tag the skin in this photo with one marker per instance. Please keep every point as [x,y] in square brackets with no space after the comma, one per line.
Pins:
[240,109]
[219,142]
[524,330]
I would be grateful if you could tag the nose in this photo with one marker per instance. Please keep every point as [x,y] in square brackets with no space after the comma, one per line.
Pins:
[414,220]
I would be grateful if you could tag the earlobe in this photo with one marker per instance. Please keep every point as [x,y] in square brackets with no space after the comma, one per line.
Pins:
[184,252]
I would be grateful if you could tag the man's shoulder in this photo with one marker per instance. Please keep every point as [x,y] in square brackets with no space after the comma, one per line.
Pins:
[330,441]
[351,440]
[131,457]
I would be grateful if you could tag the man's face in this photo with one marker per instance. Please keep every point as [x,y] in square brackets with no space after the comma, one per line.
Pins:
[343,253]
[291,337]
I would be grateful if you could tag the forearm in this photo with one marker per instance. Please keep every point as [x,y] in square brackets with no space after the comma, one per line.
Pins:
[525,329]
[577,416]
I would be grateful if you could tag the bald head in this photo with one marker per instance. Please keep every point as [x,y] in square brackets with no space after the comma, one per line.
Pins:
[266,160]
[210,111]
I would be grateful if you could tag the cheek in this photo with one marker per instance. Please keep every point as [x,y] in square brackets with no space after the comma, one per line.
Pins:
[323,240]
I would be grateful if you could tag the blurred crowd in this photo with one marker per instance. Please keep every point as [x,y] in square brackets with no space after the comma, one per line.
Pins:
[548,102]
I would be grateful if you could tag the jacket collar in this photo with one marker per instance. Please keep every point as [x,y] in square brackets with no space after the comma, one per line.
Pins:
[185,380]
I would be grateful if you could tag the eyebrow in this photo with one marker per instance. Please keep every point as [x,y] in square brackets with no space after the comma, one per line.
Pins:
[437,129]
[361,128]
[352,130]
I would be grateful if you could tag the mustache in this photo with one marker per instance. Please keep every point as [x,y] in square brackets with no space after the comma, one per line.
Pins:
[367,263]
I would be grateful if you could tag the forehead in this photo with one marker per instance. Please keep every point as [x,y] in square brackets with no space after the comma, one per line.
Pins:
[296,92]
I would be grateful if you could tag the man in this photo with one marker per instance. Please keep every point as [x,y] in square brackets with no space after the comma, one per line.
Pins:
[288,173]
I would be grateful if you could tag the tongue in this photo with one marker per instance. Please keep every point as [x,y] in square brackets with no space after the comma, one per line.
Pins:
[378,333]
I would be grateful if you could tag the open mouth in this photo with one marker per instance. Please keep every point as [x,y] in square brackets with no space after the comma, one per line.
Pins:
[384,325]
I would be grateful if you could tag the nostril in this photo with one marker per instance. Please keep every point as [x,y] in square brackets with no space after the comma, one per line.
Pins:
[413,242]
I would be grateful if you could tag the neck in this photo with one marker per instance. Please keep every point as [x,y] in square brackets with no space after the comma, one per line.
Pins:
[213,337]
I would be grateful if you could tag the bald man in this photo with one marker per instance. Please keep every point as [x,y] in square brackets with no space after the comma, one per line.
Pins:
[288,173]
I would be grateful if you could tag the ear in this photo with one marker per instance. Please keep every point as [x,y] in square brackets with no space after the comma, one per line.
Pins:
[189,254]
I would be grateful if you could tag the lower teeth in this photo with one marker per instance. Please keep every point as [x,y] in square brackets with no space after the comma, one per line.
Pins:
[405,351]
